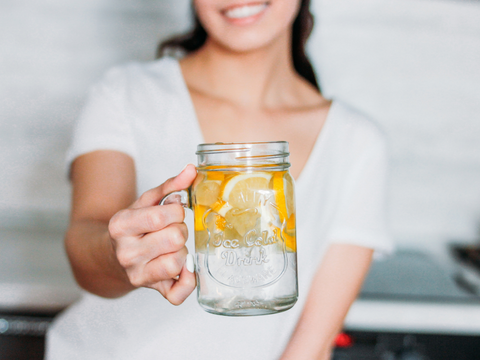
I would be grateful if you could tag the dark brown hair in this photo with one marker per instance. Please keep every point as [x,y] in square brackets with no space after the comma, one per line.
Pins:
[302,27]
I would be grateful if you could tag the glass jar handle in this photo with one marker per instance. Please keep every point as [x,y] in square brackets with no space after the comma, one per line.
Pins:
[182,197]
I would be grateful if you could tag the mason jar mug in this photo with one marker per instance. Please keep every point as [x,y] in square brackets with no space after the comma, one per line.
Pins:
[243,201]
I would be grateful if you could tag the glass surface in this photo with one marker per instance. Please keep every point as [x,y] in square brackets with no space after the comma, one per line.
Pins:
[245,241]
[243,200]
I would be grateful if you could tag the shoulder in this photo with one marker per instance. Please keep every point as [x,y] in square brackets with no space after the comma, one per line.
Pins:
[356,129]
[162,75]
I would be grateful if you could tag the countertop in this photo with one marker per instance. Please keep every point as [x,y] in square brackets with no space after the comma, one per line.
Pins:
[407,292]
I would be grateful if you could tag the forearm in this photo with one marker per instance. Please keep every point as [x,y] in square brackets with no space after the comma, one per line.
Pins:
[93,261]
[334,288]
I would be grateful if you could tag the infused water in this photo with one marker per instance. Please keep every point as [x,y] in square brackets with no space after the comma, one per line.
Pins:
[245,241]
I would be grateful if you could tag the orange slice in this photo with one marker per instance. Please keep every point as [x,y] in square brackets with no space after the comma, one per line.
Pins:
[215,175]
[282,184]
[284,193]
[199,212]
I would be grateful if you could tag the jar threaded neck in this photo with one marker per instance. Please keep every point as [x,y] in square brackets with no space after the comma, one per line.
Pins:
[272,156]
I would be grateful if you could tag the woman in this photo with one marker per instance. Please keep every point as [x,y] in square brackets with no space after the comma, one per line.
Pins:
[245,77]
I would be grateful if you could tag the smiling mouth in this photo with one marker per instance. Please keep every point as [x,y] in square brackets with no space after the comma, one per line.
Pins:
[245,11]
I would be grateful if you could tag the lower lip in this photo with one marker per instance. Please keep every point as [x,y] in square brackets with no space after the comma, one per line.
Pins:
[246,20]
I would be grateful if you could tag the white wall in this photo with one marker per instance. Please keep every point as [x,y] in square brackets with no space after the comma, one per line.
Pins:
[412,65]
[51,51]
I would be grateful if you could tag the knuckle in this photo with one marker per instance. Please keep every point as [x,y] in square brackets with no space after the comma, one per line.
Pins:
[126,258]
[190,282]
[176,238]
[168,184]
[115,227]
[144,197]
[180,211]
[169,272]
[175,300]
[155,221]
[171,267]
[136,279]
[177,212]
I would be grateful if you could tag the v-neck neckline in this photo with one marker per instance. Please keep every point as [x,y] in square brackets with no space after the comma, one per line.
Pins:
[196,124]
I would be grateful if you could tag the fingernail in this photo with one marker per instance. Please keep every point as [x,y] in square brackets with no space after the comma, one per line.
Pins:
[190,264]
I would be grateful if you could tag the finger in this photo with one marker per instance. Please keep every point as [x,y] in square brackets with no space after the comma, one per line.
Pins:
[180,182]
[181,288]
[170,240]
[136,222]
[164,267]
[134,252]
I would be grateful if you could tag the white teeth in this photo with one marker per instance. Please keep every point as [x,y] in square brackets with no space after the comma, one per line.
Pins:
[245,11]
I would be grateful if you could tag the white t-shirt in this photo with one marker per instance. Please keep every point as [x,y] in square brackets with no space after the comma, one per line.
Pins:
[145,111]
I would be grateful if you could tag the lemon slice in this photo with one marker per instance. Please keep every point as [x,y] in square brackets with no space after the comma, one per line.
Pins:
[207,192]
[244,191]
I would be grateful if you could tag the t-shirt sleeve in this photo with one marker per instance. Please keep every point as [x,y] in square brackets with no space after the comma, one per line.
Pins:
[361,218]
[103,123]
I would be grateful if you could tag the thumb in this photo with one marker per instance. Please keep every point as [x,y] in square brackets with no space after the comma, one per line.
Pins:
[180,182]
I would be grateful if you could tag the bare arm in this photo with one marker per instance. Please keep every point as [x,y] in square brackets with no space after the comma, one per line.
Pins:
[116,243]
[334,288]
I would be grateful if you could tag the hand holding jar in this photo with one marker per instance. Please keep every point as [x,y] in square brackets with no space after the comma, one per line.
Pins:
[149,241]
[245,240]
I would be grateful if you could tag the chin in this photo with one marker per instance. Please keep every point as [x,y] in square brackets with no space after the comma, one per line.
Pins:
[244,43]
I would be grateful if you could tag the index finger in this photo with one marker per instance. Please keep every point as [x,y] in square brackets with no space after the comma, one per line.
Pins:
[180,182]
[145,220]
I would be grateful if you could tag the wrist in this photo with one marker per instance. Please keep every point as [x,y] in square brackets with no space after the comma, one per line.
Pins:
[93,260]
[116,282]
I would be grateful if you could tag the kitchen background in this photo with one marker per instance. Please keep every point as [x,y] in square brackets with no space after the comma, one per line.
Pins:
[413,66]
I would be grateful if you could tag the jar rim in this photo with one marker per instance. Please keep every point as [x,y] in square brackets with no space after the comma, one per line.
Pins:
[244,156]
[221,147]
